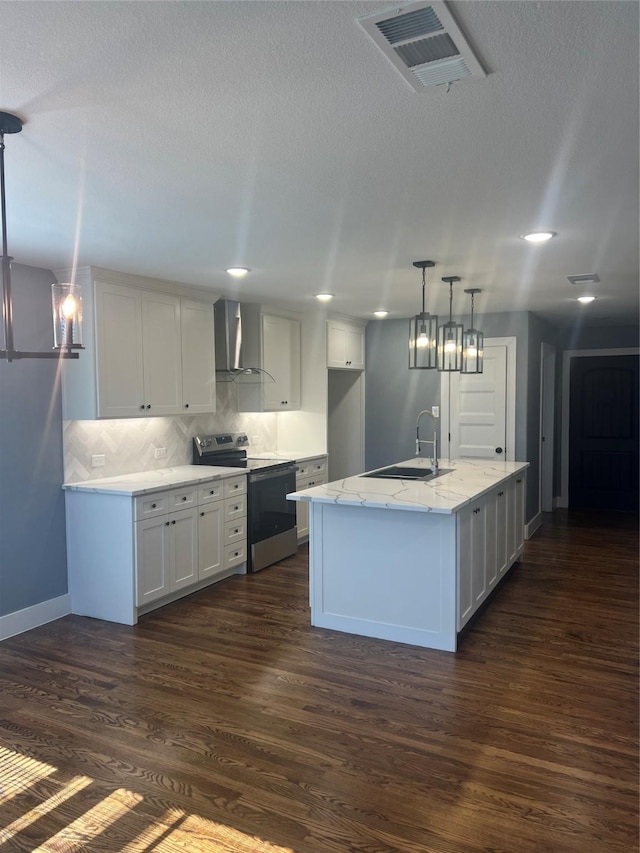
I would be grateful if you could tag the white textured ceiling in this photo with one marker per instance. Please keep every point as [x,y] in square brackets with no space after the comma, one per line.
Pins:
[174,139]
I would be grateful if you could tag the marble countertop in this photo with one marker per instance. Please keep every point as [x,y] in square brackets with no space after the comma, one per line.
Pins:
[154,481]
[467,479]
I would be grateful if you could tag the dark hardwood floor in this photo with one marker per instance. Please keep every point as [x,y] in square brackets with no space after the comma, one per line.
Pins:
[224,722]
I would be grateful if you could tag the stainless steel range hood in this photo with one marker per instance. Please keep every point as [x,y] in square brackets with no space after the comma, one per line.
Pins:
[228,345]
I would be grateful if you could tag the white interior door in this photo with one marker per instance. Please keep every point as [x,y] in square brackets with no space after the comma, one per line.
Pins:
[478,410]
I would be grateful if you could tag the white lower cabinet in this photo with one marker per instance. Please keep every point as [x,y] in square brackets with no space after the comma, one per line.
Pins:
[127,555]
[210,540]
[312,472]
[490,539]
[472,562]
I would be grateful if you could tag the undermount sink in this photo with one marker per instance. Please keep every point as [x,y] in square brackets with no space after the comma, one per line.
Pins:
[406,472]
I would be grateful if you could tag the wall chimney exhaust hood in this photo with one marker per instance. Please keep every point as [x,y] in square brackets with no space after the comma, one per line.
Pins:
[228,345]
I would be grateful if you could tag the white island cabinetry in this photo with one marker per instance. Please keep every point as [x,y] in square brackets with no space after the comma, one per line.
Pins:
[410,560]
[133,545]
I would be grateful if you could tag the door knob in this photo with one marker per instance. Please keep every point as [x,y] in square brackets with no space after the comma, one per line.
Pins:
[498,450]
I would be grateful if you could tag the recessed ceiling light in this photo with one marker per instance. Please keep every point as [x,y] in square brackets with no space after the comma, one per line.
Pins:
[238,272]
[380,313]
[538,236]
[324,297]
[585,299]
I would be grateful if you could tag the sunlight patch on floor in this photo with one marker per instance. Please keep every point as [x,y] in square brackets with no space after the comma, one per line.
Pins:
[18,773]
[175,831]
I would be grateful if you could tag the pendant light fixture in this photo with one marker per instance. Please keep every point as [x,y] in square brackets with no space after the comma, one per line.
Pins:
[472,343]
[66,298]
[423,331]
[450,336]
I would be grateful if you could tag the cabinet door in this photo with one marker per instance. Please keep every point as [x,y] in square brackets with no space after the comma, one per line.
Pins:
[491,534]
[198,357]
[478,554]
[211,540]
[336,345]
[501,530]
[355,349]
[161,355]
[119,370]
[184,532]
[153,559]
[519,499]
[512,547]
[281,358]
[465,595]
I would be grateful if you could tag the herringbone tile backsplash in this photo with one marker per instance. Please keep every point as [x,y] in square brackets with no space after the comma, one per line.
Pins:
[129,445]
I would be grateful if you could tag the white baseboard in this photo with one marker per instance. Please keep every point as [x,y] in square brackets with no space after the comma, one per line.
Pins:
[532,526]
[32,617]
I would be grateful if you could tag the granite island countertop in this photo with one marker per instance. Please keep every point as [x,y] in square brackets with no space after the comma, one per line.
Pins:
[143,482]
[465,480]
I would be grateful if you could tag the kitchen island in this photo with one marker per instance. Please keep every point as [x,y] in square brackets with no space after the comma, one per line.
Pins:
[413,560]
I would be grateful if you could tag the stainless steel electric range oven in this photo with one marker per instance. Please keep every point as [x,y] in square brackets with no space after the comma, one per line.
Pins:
[271,518]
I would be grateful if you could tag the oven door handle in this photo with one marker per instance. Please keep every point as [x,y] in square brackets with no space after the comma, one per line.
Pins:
[258,476]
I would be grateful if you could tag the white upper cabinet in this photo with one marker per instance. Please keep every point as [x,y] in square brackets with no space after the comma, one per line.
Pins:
[271,342]
[147,352]
[198,357]
[118,344]
[345,345]
[161,354]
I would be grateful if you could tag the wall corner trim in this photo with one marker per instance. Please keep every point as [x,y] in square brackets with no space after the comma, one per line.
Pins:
[32,617]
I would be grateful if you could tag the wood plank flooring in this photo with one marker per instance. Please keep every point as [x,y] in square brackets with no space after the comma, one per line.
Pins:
[224,722]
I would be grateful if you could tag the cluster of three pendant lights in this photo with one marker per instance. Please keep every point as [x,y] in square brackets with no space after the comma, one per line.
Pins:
[448,347]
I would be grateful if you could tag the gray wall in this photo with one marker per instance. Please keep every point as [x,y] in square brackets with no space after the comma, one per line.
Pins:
[395,394]
[33,563]
[599,337]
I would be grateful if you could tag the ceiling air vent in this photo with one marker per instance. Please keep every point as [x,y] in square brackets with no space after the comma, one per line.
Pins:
[424,43]
[587,278]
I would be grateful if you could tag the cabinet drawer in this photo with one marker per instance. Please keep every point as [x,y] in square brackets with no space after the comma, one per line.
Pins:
[235,532]
[210,492]
[235,486]
[149,506]
[235,554]
[311,466]
[310,481]
[235,508]
[182,498]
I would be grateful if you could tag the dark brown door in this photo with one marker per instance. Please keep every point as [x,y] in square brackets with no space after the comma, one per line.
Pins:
[603,433]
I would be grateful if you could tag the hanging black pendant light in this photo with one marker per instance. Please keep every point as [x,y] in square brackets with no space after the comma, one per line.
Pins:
[423,331]
[472,343]
[66,298]
[450,336]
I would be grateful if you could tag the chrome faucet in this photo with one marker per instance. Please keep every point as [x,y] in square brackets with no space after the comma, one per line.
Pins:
[432,441]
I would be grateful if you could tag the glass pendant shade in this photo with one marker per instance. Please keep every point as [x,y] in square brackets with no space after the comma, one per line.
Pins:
[66,300]
[472,343]
[450,347]
[472,351]
[423,340]
[450,337]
